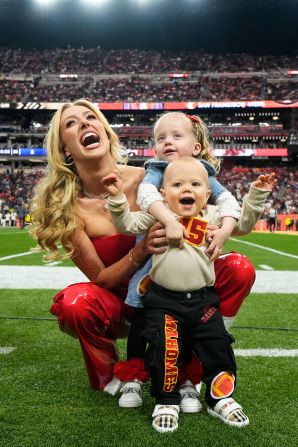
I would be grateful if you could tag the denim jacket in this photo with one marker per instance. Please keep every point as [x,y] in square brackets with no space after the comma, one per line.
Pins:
[155,170]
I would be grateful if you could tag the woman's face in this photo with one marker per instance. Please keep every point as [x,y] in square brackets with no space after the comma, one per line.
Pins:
[83,134]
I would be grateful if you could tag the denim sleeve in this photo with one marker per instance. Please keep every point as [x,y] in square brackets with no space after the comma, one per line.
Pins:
[216,189]
[208,166]
[153,175]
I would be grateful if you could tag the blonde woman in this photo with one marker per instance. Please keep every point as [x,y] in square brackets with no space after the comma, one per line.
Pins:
[69,207]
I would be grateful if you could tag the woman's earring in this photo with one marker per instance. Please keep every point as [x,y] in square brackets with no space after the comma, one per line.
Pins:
[70,163]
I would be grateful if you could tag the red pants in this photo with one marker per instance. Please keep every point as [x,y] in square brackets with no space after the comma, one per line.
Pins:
[97,316]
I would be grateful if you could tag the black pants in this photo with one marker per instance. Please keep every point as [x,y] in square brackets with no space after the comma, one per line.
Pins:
[169,315]
[271,223]
[136,343]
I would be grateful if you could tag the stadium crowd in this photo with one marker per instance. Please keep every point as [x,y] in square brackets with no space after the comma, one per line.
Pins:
[16,189]
[135,88]
[284,198]
[144,76]
[99,60]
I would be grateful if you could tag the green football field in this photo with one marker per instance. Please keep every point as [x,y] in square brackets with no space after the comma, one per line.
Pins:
[45,399]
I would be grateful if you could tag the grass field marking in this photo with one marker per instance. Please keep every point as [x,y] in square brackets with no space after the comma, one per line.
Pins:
[39,277]
[26,253]
[58,277]
[54,263]
[13,229]
[264,248]
[275,281]
[266,352]
[266,267]
[6,350]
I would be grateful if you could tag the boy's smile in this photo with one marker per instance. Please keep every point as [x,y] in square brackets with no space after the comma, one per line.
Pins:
[186,188]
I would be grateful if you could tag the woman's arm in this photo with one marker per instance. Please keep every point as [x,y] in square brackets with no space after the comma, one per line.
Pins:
[88,261]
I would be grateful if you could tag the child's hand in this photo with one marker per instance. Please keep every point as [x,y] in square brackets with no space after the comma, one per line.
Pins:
[216,239]
[113,183]
[175,232]
[267,182]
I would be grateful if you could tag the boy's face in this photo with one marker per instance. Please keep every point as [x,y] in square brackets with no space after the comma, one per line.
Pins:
[186,188]
[174,138]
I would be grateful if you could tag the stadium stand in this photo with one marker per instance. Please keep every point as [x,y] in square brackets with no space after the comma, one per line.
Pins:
[134,86]
[134,75]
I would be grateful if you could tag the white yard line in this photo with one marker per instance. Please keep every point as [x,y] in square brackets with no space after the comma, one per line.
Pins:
[264,248]
[6,349]
[265,267]
[26,253]
[266,352]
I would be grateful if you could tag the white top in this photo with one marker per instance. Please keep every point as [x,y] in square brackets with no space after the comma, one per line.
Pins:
[189,268]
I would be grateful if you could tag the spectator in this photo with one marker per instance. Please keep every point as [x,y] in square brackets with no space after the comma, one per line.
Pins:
[272,219]
[289,223]
[21,214]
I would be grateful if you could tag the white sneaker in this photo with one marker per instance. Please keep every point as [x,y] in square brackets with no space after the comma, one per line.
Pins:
[113,386]
[165,418]
[190,402]
[131,395]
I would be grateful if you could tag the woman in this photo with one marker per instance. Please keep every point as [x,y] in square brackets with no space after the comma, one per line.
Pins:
[69,207]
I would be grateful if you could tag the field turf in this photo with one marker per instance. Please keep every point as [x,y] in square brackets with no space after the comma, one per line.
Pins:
[45,399]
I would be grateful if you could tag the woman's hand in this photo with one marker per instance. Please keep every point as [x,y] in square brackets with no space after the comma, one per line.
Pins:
[156,239]
[175,232]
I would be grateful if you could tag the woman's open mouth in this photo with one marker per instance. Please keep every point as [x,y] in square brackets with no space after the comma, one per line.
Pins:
[90,140]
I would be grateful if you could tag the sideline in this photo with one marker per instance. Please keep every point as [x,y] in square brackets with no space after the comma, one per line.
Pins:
[266,352]
[4,350]
[263,247]
[39,277]
[45,277]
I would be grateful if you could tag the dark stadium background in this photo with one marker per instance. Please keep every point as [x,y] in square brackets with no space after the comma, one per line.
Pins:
[235,63]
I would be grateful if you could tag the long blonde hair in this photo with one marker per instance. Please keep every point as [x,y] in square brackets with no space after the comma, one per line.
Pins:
[201,134]
[53,217]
